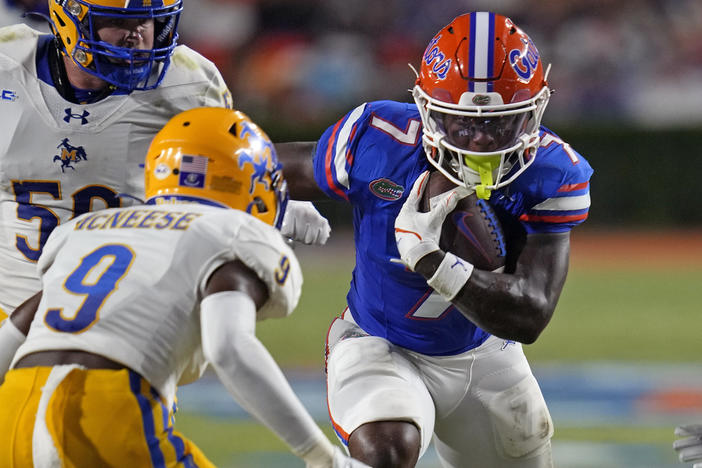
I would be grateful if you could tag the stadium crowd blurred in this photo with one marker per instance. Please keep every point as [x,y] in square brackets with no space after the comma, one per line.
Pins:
[302,63]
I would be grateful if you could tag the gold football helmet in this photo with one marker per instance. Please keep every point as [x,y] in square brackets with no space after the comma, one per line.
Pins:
[218,157]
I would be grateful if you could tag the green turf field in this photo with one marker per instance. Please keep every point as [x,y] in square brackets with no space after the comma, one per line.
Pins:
[625,313]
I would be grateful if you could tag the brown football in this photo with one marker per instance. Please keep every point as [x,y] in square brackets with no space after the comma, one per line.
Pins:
[472,230]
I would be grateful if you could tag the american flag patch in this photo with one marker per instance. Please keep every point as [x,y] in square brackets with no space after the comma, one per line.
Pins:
[193,164]
[192,171]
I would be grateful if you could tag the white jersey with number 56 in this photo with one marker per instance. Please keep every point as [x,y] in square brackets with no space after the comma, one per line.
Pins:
[125,283]
[59,159]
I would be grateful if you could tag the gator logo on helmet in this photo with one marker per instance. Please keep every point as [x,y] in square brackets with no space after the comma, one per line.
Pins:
[481,100]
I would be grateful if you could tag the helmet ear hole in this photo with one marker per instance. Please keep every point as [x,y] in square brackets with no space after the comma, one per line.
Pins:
[59,20]
[260,205]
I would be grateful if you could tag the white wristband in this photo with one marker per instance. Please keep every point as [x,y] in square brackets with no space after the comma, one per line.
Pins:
[452,274]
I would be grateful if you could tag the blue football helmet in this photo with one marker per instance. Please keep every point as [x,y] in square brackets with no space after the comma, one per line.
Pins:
[75,23]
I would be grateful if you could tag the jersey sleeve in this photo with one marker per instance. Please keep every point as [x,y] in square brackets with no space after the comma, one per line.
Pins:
[197,79]
[558,194]
[372,149]
[217,93]
[277,266]
[261,248]
[334,157]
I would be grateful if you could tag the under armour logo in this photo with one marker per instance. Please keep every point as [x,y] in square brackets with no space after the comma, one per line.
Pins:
[70,115]
[507,343]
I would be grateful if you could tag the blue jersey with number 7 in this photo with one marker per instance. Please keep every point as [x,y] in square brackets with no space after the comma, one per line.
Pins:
[370,159]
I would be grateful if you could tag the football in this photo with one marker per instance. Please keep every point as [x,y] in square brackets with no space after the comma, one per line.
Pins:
[472,230]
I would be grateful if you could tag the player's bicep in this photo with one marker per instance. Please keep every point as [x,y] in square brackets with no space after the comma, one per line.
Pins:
[236,276]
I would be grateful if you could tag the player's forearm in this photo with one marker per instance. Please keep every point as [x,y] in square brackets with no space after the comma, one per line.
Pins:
[14,330]
[259,386]
[252,377]
[505,305]
[514,306]
[24,314]
[500,304]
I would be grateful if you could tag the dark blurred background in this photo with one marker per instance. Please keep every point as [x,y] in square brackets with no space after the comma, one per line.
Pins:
[627,76]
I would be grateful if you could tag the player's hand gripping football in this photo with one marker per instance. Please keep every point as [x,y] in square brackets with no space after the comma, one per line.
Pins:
[303,223]
[416,233]
[689,448]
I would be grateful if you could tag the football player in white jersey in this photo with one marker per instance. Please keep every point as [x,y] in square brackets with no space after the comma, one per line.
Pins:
[78,109]
[137,300]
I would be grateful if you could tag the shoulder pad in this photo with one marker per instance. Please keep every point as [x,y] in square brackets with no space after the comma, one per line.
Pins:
[190,69]
[18,45]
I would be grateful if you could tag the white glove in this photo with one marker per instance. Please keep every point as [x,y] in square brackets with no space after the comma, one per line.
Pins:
[416,233]
[303,223]
[689,448]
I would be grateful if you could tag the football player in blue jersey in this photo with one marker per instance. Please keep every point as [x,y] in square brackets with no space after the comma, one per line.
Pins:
[424,352]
